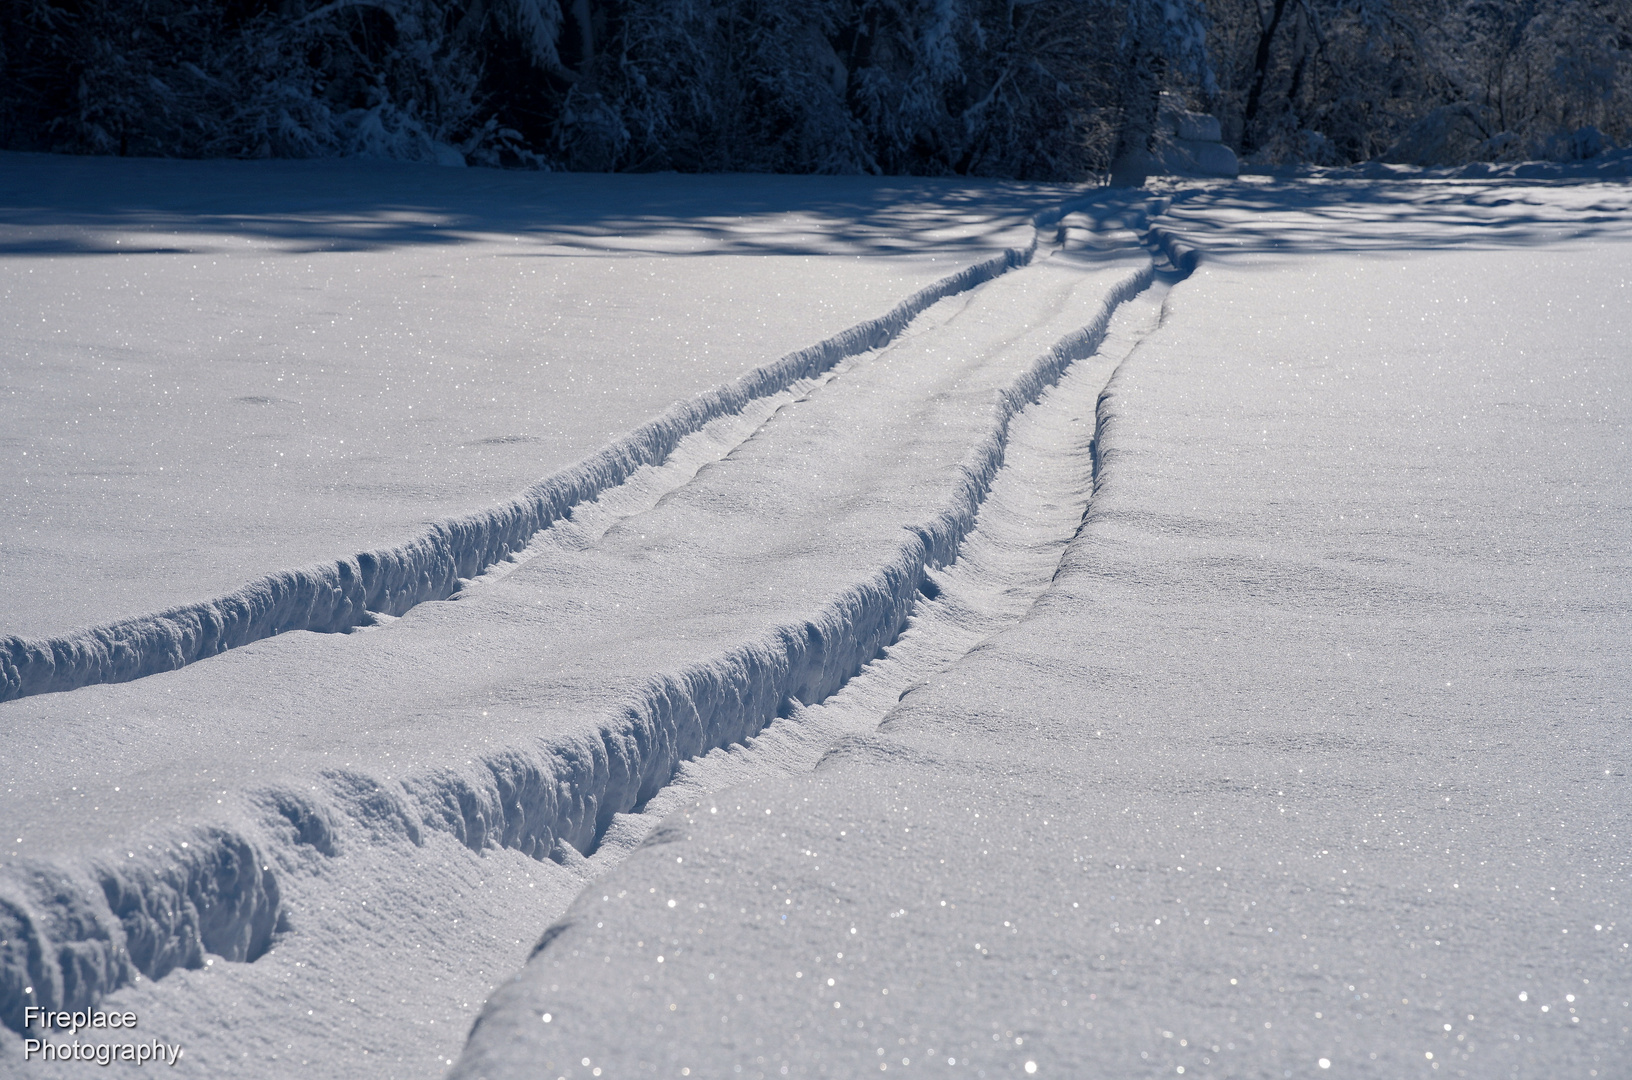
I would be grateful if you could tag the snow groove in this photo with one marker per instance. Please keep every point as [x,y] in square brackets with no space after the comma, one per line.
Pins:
[70,936]
[1035,506]
[334,597]
[1174,256]
[1030,511]
[569,794]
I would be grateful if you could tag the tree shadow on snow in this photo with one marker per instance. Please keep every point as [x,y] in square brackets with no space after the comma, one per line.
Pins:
[1355,216]
[54,205]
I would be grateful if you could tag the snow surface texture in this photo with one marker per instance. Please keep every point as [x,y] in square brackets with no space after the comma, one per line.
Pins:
[237,784]
[270,380]
[1356,507]
[1609,165]
[1311,761]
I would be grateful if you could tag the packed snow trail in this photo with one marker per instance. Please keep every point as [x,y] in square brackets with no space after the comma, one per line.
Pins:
[1310,762]
[526,714]
[1008,560]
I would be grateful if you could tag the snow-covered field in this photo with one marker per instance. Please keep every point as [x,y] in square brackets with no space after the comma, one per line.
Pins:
[812,626]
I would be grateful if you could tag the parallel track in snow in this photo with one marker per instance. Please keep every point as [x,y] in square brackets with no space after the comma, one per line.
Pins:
[351,591]
[576,796]
[1035,505]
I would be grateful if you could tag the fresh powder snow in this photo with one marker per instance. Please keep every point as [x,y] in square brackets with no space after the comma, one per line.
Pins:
[817,627]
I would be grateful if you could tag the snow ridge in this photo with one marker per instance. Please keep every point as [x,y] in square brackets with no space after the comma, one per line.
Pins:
[68,938]
[71,936]
[568,794]
[1000,573]
[334,597]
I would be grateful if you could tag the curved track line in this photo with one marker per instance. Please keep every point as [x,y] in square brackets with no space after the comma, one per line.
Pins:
[222,894]
[334,597]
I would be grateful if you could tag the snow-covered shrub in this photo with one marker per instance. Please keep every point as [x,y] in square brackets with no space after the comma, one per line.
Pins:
[1545,70]
[1430,82]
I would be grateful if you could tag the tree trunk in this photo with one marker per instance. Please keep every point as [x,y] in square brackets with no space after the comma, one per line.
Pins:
[1260,70]
[586,33]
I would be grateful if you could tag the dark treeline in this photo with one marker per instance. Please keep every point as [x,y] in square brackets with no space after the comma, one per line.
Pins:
[1031,89]
[1429,82]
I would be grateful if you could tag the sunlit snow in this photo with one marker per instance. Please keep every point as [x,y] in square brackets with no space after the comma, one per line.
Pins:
[812,626]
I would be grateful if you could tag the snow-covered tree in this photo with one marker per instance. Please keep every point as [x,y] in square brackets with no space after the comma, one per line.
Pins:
[1023,88]
[1425,81]
[1161,38]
